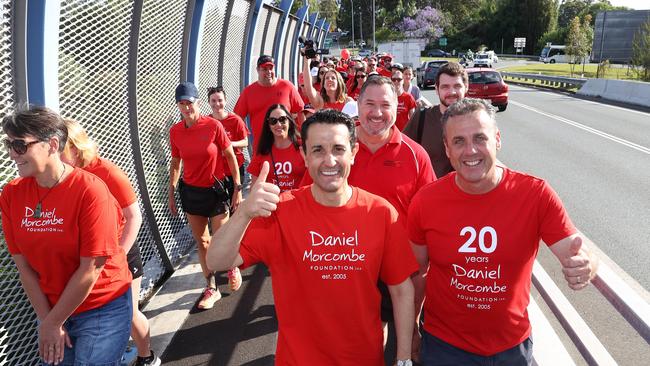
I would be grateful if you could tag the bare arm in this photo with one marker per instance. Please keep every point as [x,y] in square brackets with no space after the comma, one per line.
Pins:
[240,143]
[314,98]
[229,154]
[133,218]
[29,280]
[402,297]
[174,176]
[419,282]
[579,265]
[223,252]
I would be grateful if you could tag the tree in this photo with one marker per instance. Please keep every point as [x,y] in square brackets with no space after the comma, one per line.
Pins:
[428,23]
[579,41]
[570,9]
[641,51]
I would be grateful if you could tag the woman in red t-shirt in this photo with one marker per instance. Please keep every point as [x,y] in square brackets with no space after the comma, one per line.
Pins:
[201,144]
[61,225]
[332,93]
[279,145]
[81,151]
[360,77]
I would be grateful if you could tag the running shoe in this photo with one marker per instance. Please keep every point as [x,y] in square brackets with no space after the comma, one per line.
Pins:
[152,360]
[209,297]
[234,279]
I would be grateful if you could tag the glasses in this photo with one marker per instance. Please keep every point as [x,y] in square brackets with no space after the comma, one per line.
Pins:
[396,80]
[361,76]
[18,146]
[273,121]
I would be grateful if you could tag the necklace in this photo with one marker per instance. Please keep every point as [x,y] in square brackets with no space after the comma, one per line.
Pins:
[39,206]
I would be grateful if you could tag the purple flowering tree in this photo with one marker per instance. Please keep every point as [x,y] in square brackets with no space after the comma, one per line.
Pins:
[428,23]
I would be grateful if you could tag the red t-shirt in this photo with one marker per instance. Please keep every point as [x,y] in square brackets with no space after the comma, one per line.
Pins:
[384,72]
[289,167]
[405,103]
[116,180]
[79,218]
[325,263]
[236,130]
[354,94]
[395,172]
[255,100]
[481,253]
[334,105]
[200,147]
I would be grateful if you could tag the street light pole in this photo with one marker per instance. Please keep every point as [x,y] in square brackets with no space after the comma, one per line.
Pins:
[374,45]
[352,3]
[360,27]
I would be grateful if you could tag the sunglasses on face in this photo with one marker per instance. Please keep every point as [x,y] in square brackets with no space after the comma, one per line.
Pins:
[273,121]
[361,76]
[397,80]
[18,146]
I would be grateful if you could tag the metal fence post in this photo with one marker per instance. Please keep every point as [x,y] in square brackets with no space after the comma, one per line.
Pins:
[42,53]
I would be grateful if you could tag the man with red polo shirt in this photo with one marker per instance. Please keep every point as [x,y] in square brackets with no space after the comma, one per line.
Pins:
[476,234]
[256,98]
[405,102]
[326,246]
[385,69]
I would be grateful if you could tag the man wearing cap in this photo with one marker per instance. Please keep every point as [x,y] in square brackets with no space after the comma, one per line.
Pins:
[405,102]
[267,90]
[385,70]
[425,126]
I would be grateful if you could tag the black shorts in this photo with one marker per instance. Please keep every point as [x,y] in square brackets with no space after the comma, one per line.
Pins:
[203,201]
[230,184]
[134,259]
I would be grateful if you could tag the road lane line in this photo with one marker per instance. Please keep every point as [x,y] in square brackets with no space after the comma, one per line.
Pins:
[621,141]
[555,94]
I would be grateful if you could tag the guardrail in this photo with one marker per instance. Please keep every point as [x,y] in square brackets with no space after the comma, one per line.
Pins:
[526,57]
[561,81]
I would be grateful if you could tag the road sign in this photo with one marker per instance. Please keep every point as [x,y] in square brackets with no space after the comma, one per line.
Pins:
[520,42]
[442,41]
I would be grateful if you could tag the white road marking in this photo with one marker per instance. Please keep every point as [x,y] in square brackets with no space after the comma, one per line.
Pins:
[619,140]
[587,101]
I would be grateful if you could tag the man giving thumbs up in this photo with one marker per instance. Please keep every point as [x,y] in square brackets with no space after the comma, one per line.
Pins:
[326,245]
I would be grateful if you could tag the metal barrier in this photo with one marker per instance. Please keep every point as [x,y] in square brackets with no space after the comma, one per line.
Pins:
[560,81]
[113,65]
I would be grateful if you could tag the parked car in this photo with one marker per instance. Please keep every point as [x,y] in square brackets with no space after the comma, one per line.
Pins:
[426,73]
[438,53]
[488,84]
[365,52]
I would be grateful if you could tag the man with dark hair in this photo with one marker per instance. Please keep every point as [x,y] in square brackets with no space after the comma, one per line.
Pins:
[425,124]
[476,234]
[256,98]
[326,245]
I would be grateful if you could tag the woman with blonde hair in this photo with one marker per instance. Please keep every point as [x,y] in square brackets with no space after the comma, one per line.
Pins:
[332,93]
[81,151]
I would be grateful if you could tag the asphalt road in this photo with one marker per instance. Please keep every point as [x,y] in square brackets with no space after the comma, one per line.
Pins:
[596,157]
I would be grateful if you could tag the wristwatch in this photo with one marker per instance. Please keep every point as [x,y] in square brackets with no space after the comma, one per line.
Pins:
[404,362]
[238,187]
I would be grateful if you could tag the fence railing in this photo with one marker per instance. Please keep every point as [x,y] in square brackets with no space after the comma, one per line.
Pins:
[560,81]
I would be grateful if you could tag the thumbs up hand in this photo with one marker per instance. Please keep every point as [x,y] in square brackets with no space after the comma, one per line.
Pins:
[577,265]
[263,197]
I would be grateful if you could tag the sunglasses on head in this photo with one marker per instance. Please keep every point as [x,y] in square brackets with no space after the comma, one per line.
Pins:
[273,121]
[18,146]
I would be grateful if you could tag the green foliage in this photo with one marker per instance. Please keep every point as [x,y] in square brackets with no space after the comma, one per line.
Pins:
[579,40]
[641,52]
[557,36]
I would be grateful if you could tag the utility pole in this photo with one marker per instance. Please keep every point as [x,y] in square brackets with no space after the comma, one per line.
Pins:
[360,27]
[352,8]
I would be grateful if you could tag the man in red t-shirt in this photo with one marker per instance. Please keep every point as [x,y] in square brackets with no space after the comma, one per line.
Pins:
[256,98]
[326,246]
[405,102]
[476,234]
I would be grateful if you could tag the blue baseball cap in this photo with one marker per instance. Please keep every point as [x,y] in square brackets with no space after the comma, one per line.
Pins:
[186,91]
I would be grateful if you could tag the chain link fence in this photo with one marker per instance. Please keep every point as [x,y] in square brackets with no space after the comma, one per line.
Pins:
[118,64]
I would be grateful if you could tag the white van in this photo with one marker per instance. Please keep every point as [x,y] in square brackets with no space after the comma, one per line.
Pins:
[553,53]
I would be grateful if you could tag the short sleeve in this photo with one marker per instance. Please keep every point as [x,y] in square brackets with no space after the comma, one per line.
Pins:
[99,222]
[121,188]
[261,241]
[415,231]
[297,105]
[398,261]
[241,131]
[241,107]
[555,223]
[7,229]
[175,152]
[427,175]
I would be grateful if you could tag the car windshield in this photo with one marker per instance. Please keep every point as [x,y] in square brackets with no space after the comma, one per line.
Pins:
[482,56]
[484,77]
